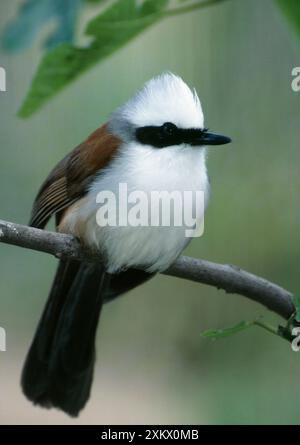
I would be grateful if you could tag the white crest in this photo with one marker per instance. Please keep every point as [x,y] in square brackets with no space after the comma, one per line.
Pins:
[165,98]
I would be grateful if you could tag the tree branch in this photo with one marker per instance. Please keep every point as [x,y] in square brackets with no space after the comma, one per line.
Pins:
[227,277]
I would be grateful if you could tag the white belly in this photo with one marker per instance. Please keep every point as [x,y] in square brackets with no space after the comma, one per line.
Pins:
[147,170]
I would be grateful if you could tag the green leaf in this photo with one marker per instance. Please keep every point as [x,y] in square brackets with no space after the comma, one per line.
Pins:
[110,30]
[220,333]
[33,15]
[296,301]
[291,8]
[280,331]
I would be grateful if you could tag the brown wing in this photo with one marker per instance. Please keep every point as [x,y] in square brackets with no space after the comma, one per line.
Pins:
[70,179]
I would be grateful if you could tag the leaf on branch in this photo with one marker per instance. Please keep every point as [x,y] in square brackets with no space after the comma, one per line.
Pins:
[33,15]
[291,8]
[95,1]
[110,30]
[221,333]
[296,301]
[280,331]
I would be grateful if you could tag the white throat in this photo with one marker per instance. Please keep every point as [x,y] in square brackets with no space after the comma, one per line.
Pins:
[177,168]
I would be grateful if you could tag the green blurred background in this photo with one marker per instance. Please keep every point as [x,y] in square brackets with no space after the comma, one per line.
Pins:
[153,366]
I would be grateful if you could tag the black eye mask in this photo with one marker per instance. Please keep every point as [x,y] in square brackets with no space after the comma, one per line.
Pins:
[169,134]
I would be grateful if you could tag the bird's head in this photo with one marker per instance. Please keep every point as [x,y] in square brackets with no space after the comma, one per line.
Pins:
[164,113]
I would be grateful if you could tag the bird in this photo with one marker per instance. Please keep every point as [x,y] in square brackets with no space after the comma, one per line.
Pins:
[155,141]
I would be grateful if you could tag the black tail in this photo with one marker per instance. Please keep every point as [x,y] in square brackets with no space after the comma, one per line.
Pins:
[58,370]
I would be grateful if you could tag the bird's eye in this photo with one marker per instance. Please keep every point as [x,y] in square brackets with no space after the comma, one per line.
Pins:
[169,128]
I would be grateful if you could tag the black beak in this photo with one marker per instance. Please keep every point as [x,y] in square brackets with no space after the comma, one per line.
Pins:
[205,138]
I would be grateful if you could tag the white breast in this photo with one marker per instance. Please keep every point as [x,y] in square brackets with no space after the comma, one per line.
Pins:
[146,169]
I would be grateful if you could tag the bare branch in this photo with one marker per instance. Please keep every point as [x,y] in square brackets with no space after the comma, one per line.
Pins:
[227,277]
[234,280]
